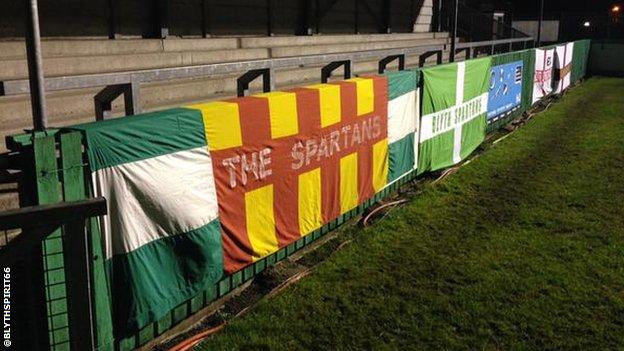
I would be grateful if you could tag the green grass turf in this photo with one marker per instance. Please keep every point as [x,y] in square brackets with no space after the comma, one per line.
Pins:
[521,249]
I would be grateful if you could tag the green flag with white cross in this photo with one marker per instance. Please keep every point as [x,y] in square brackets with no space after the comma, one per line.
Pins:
[454,108]
[403,118]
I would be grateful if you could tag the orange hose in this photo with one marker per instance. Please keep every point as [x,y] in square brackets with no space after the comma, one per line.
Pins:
[189,343]
[379,208]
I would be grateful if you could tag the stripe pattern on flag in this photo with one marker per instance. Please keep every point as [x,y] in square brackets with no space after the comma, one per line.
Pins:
[305,157]
[403,123]
[563,66]
[543,78]
[156,174]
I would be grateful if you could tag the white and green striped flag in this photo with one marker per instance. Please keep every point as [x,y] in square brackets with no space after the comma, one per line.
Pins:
[454,109]
[403,116]
[161,237]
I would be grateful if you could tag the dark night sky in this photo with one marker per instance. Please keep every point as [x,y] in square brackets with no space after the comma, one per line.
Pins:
[563,5]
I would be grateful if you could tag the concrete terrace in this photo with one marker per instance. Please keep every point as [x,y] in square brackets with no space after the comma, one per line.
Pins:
[84,56]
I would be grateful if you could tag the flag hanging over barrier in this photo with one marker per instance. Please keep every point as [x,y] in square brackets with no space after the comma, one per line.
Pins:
[543,83]
[505,90]
[211,188]
[563,66]
[527,58]
[454,107]
[196,191]
[403,121]
[161,237]
[580,57]
[287,162]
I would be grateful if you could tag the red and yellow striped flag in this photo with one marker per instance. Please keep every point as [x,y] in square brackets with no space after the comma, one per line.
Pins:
[287,162]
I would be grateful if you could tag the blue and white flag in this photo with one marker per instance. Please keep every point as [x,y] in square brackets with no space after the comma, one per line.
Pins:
[505,94]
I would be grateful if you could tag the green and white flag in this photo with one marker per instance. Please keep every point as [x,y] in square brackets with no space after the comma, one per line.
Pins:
[454,109]
[161,237]
[403,116]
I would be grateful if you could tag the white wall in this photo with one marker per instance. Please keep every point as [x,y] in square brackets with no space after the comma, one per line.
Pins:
[550,29]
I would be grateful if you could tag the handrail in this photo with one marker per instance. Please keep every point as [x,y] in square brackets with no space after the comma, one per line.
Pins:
[52,214]
[21,86]
[129,83]
[475,44]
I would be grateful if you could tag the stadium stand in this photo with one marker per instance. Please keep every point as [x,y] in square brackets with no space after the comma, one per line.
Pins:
[73,57]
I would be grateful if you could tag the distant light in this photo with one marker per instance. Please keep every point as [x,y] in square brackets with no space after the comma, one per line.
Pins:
[586,24]
[615,9]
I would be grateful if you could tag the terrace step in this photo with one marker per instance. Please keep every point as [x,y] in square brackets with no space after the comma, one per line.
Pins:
[100,56]
[287,51]
[74,57]
[76,106]
[271,42]
[67,66]
[91,47]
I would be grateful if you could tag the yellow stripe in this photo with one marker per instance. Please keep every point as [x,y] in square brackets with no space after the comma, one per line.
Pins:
[380,164]
[260,221]
[221,124]
[329,96]
[365,95]
[283,112]
[348,182]
[310,215]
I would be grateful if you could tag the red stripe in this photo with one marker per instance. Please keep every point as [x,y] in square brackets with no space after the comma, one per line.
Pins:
[256,135]
[286,188]
[236,246]
[543,72]
[365,152]
[255,122]
[365,165]
[308,110]
[330,189]
[255,128]
[285,195]
[348,100]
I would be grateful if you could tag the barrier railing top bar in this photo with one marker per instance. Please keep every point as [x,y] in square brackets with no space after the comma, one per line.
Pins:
[21,86]
[492,42]
[52,214]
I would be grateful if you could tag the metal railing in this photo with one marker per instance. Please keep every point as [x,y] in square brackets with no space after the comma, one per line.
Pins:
[473,25]
[58,162]
[27,236]
[129,83]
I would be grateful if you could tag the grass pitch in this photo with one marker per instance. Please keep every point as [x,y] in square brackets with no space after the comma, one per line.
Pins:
[521,249]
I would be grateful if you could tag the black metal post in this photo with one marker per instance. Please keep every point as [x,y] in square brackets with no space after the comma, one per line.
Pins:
[454,31]
[242,83]
[269,17]
[303,24]
[386,17]
[329,68]
[539,24]
[317,16]
[111,19]
[413,16]
[383,63]
[439,16]
[35,67]
[204,18]
[356,16]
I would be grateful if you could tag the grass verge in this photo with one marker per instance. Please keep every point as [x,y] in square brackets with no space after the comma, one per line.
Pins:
[521,249]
